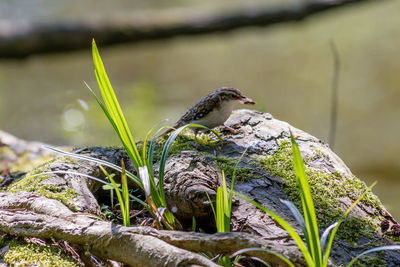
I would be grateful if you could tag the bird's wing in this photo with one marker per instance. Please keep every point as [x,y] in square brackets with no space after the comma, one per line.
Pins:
[200,109]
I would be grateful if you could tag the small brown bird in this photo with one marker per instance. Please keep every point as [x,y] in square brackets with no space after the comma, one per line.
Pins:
[212,110]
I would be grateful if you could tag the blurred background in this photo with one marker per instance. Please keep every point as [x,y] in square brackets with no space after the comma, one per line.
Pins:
[286,68]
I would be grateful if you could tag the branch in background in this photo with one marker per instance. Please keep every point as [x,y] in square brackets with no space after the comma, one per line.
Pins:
[19,40]
[334,105]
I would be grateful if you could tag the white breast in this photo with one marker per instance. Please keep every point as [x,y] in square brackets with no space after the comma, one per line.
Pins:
[217,117]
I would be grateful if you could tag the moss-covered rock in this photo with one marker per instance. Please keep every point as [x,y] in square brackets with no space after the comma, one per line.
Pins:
[20,253]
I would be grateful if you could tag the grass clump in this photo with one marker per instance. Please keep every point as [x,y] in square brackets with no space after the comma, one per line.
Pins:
[326,189]
[23,254]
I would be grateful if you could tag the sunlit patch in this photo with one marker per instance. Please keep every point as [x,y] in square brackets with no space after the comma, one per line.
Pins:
[73,120]
[174,209]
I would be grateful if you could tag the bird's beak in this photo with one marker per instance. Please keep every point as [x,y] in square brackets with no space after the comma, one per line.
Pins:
[246,100]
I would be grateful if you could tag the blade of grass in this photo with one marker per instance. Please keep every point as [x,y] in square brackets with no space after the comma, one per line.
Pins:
[285,225]
[114,108]
[308,205]
[194,224]
[119,196]
[164,156]
[220,211]
[391,247]
[152,148]
[297,215]
[125,193]
[212,207]
[225,206]
[99,161]
[245,250]
[326,233]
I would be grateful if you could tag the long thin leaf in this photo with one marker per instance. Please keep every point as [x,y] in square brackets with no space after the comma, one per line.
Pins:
[220,211]
[285,225]
[152,147]
[392,247]
[99,161]
[297,215]
[280,256]
[212,206]
[308,205]
[114,108]
[225,206]
[164,156]
[125,193]
[120,198]
[326,233]
[110,119]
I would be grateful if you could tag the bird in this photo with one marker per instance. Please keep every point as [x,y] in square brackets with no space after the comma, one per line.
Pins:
[212,110]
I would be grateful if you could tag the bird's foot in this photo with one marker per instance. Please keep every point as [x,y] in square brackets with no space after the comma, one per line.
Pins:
[230,129]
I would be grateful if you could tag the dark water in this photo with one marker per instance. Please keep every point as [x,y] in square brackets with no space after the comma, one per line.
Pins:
[287,69]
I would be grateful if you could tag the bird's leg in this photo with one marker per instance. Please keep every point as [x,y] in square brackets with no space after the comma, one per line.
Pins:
[231,130]
[195,140]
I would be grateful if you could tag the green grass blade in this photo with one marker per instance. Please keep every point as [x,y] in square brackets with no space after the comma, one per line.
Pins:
[280,256]
[152,148]
[359,199]
[326,233]
[125,193]
[212,207]
[114,108]
[225,205]
[99,161]
[308,205]
[285,225]
[220,211]
[119,196]
[391,247]
[110,119]
[164,156]
[297,215]
[194,224]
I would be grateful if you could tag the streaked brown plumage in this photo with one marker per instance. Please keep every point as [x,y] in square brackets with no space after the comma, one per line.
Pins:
[213,109]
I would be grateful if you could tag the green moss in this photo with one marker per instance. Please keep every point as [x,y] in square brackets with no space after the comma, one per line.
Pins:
[23,254]
[185,141]
[37,185]
[367,261]
[228,166]
[326,189]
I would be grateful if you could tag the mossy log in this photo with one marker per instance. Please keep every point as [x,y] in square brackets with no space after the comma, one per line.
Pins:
[265,174]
